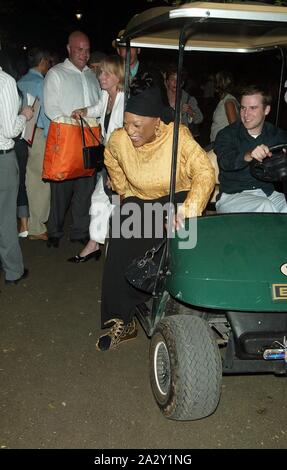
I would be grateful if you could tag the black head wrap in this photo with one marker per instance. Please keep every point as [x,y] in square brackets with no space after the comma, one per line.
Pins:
[145,98]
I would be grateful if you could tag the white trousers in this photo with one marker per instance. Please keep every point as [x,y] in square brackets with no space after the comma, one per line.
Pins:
[100,211]
[254,200]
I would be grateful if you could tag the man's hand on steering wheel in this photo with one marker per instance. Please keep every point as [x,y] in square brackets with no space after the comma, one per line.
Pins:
[269,169]
[258,153]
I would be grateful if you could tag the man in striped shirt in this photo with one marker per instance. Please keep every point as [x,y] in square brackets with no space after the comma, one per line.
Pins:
[11,124]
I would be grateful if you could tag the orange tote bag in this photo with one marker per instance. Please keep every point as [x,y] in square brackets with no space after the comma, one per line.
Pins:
[63,158]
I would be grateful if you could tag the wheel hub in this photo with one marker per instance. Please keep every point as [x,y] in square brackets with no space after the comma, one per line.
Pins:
[162,369]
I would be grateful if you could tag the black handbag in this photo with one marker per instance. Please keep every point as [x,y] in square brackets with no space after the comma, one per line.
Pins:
[145,271]
[93,156]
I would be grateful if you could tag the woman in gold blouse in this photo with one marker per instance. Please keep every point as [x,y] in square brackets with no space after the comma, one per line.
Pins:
[138,159]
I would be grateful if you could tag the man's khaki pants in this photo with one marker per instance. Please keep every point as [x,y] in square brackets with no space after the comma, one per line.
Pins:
[38,192]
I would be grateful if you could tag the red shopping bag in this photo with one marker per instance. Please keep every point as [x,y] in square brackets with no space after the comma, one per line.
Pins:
[63,158]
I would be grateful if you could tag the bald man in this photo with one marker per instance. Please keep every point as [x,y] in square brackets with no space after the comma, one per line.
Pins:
[71,85]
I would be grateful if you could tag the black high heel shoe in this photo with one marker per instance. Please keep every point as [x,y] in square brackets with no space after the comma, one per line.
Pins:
[82,259]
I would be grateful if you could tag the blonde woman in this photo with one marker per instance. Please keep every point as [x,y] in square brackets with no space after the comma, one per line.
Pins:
[110,110]
[227,110]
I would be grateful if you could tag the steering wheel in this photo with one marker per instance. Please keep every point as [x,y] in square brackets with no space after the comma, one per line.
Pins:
[272,168]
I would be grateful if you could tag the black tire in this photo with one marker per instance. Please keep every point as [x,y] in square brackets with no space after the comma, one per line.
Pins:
[185,368]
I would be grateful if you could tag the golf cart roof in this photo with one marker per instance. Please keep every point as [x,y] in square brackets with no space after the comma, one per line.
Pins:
[221,27]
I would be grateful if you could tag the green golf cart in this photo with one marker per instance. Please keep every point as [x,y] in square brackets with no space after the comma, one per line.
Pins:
[220,306]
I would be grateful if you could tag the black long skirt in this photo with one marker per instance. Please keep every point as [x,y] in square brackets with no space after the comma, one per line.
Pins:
[119,298]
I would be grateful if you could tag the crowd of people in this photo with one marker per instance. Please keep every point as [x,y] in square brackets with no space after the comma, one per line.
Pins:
[138,139]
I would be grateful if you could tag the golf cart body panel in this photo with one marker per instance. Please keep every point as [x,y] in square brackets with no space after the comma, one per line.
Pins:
[235,264]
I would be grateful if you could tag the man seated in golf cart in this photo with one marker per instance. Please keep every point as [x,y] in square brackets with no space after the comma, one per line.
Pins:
[236,146]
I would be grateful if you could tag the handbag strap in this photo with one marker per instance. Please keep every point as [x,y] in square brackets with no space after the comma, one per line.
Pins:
[161,268]
[150,253]
[162,263]
[83,121]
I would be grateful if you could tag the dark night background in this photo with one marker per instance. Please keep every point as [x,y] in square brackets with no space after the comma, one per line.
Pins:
[48,22]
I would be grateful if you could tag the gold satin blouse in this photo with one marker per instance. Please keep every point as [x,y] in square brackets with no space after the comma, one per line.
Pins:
[144,172]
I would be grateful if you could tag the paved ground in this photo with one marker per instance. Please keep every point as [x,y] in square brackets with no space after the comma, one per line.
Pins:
[57,391]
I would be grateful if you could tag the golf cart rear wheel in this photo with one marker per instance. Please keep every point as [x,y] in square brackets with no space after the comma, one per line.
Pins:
[185,368]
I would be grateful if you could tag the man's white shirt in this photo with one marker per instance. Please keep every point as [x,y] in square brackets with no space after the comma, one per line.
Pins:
[66,88]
